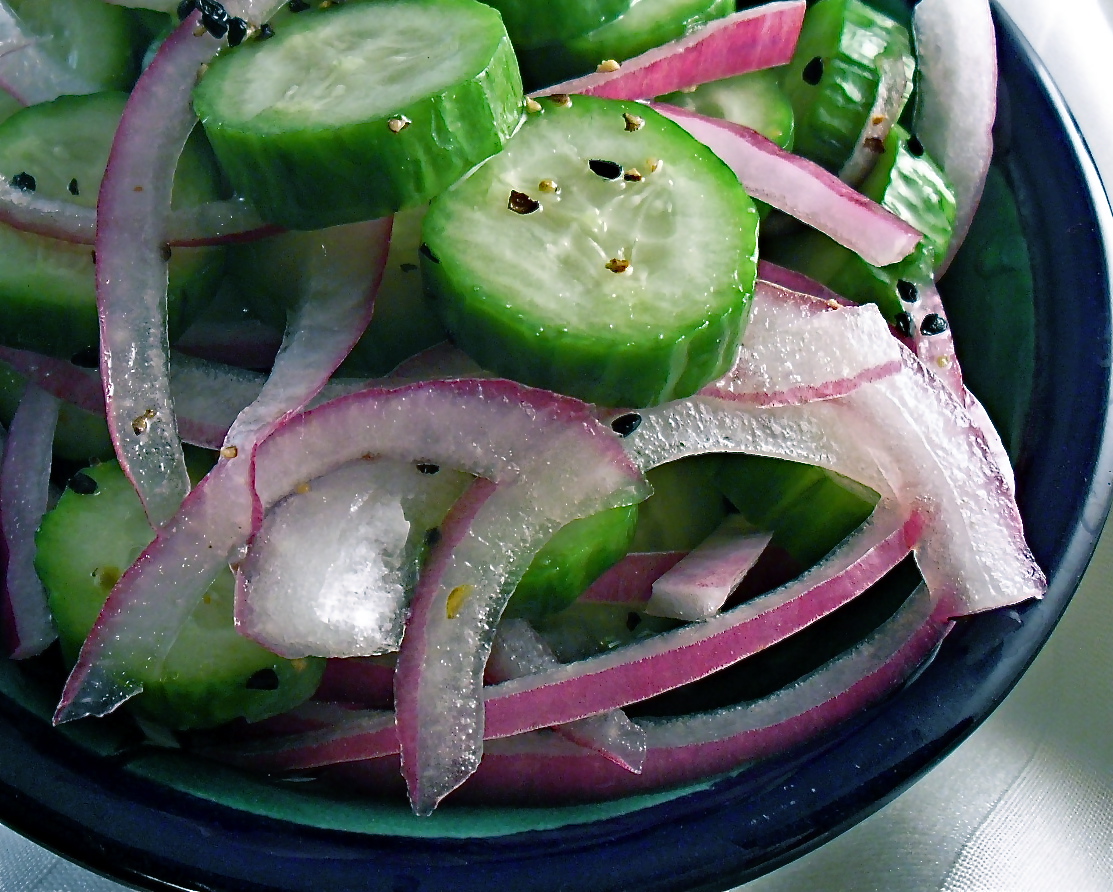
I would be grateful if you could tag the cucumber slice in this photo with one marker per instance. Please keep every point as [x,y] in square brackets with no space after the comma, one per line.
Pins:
[604,254]
[686,507]
[97,40]
[571,560]
[359,110]
[80,437]
[211,674]
[808,509]
[755,100]
[833,77]
[48,287]
[645,25]
[532,24]
[269,272]
[907,182]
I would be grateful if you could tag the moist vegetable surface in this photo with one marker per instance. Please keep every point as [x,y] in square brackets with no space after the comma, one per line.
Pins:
[647,456]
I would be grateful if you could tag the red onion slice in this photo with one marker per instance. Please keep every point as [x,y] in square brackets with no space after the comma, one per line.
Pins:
[630,581]
[443,361]
[750,40]
[698,586]
[518,650]
[957,51]
[797,282]
[366,681]
[131,270]
[802,188]
[24,493]
[893,91]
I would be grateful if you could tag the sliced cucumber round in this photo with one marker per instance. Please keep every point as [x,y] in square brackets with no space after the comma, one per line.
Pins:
[605,254]
[48,287]
[645,25]
[685,508]
[211,674]
[833,77]
[359,110]
[532,24]
[571,560]
[755,100]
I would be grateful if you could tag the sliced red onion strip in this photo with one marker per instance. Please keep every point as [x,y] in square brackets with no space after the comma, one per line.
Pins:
[518,650]
[650,667]
[842,350]
[893,90]
[698,586]
[367,681]
[801,188]
[500,430]
[244,343]
[131,270]
[29,73]
[750,40]
[212,223]
[444,360]
[957,52]
[630,581]
[63,380]
[973,555]
[798,282]
[24,493]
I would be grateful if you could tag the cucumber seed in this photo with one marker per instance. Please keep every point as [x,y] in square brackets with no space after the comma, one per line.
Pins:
[618,265]
[633,122]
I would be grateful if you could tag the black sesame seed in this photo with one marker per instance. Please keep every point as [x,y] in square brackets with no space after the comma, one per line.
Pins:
[427,467]
[907,291]
[216,27]
[265,679]
[933,324]
[608,170]
[165,253]
[237,31]
[626,424]
[89,358]
[297,6]
[904,324]
[408,267]
[23,180]
[265,32]
[915,147]
[72,187]
[813,71]
[520,203]
[185,8]
[633,620]
[82,484]
[432,537]
[425,251]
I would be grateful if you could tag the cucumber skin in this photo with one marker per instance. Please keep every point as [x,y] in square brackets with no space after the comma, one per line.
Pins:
[685,507]
[571,560]
[320,177]
[531,24]
[644,370]
[84,544]
[831,114]
[48,298]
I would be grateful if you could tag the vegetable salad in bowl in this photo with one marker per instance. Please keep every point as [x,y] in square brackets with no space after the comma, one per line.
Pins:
[380,421]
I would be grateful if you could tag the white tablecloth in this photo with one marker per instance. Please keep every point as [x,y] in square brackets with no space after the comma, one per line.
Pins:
[1027,802]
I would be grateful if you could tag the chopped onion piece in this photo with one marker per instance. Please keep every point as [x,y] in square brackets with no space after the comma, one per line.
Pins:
[802,188]
[698,586]
[630,581]
[24,493]
[750,40]
[29,73]
[893,90]
[957,51]
[518,650]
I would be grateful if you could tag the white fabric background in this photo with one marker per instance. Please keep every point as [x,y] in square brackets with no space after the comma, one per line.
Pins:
[1027,802]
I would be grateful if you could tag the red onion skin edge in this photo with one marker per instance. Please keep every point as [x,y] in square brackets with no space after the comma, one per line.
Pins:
[24,485]
[131,272]
[630,581]
[750,40]
[801,188]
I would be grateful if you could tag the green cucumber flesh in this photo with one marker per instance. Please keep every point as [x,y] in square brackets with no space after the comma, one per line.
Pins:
[645,25]
[571,560]
[359,110]
[833,77]
[531,24]
[48,287]
[627,283]
[98,41]
[755,100]
[211,674]
[685,508]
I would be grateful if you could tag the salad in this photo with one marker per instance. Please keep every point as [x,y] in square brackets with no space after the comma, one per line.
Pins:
[482,439]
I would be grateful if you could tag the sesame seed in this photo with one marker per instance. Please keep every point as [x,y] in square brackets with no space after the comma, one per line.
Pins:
[607,66]
[608,170]
[904,324]
[933,324]
[72,187]
[229,452]
[397,125]
[24,182]
[813,72]
[532,106]
[633,175]
[633,122]
[425,467]
[626,424]
[82,484]
[561,99]
[520,203]
[618,265]
[907,291]
[548,186]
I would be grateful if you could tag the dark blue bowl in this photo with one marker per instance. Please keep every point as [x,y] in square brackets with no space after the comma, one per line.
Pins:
[172,823]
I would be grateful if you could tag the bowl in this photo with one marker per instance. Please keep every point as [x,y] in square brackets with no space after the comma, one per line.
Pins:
[1042,366]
